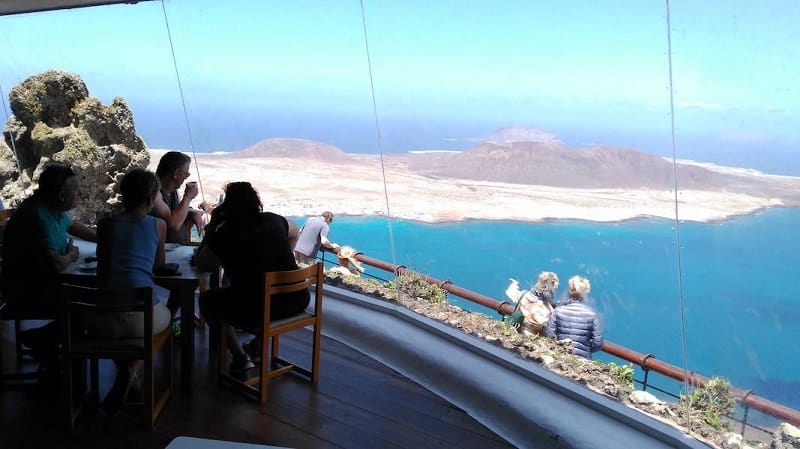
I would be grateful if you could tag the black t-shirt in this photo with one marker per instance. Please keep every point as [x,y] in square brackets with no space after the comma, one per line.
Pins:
[250,249]
[28,271]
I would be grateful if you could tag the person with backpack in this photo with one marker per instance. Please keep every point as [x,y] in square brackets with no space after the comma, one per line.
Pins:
[536,304]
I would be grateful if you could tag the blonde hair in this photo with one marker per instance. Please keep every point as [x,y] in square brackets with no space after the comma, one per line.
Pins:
[579,287]
[548,282]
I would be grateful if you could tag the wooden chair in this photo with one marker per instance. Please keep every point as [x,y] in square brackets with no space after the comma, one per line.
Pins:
[272,365]
[21,351]
[82,304]
[21,376]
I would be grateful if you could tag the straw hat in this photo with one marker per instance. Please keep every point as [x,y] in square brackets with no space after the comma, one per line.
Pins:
[347,255]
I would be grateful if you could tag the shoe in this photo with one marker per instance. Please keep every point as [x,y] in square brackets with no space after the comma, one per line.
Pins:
[41,341]
[240,365]
[116,396]
[135,393]
[252,348]
[127,390]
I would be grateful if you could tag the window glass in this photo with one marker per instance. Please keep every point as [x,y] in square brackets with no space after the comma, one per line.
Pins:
[735,73]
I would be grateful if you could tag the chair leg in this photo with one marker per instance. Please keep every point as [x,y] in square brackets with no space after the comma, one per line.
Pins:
[315,354]
[213,339]
[68,393]
[276,346]
[17,340]
[222,348]
[149,391]
[94,377]
[160,401]
[171,363]
[265,365]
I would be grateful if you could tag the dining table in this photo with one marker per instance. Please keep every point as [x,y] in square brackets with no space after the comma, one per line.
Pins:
[184,284]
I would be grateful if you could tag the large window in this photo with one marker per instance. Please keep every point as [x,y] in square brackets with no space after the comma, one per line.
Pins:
[476,142]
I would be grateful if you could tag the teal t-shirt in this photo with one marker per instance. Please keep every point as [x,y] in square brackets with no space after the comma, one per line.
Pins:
[55,226]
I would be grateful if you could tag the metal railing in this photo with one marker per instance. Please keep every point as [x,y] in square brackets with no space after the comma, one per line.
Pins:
[647,362]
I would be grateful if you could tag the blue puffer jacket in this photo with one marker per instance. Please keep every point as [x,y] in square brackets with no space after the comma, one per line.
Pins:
[579,323]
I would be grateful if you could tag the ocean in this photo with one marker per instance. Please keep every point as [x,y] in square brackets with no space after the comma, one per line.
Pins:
[739,282]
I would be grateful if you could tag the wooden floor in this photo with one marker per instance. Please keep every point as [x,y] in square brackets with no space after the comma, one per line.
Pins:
[359,403]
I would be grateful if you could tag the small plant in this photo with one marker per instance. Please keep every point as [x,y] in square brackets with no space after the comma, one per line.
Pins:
[710,403]
[623,373]
[415,286]
[509,327]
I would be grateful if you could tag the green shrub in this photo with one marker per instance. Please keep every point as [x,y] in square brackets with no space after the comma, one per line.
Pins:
[710,403]
[415,286]
[623,373]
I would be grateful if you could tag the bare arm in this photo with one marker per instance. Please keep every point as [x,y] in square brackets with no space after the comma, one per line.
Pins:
[174,219]
[62,262]
[327,244]
[82,231]
[162,238]
[196,218]
[294,233]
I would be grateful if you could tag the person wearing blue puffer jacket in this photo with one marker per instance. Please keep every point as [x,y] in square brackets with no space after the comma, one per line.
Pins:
[577,321]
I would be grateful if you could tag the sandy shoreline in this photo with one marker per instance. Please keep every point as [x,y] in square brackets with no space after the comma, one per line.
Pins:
[299,187]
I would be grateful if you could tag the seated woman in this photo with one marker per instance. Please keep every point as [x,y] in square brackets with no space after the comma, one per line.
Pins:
[577,321]
[130,246]
[535,304]
[247,243]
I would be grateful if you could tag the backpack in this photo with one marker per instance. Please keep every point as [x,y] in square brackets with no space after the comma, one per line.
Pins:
[536,312]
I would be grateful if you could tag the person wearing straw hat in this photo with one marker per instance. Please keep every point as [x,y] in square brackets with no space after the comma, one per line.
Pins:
[172,171]
[535,304]
[348,264]
[313,237]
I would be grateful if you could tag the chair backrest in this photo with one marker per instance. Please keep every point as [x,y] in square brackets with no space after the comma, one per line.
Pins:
[85,303]
[294,280]
[5,215]
[276,282]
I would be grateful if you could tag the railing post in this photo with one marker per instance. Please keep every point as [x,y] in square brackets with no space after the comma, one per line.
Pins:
[746,410]
[643,365]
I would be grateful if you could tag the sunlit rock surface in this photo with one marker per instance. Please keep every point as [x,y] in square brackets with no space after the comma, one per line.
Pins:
[8,168]
[787,437]
[55,119]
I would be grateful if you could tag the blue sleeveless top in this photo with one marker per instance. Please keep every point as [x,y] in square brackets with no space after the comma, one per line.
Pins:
[133,252]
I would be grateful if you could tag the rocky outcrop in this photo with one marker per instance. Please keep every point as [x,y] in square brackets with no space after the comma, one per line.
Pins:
[787,437]
[55,119]
[8,167]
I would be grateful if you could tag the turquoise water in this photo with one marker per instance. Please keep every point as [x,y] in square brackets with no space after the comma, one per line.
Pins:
[739,283]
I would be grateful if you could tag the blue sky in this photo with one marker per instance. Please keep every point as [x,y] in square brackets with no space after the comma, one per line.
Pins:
[591,72]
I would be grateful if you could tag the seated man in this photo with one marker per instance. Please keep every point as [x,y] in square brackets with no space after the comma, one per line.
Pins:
[172,171]
[37,247]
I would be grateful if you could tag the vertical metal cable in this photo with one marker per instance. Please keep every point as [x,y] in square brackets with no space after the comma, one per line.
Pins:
[378,133]
[183,102]
[13,143]
[677,217]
